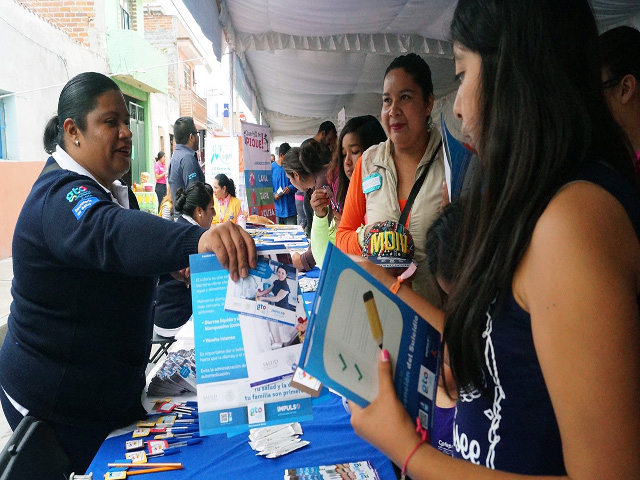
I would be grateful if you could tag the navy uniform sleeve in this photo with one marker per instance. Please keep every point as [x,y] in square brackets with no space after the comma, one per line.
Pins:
[191,171]
[85,228]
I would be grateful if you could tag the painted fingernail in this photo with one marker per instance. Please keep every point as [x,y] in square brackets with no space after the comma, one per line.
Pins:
[384,355]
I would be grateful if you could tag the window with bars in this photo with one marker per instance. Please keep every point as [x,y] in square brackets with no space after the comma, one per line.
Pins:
[125,14]
[187,76]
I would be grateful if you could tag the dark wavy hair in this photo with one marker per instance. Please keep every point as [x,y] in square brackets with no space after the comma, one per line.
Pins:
[198,194]
[77,98]
[543,117]
[368,129]
[224,181]
[620,49]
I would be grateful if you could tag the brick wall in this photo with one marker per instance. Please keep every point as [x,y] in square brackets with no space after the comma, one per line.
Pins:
[161,31]
[75,17]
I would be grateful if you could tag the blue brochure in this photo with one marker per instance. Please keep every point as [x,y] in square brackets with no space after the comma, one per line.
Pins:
[226,400]
[457,158]
[342,342]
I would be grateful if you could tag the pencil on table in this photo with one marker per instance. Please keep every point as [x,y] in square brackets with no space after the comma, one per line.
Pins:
[153,470]
[144,465]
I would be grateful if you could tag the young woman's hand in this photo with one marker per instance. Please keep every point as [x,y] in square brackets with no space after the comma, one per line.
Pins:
[319,202]
[385,423]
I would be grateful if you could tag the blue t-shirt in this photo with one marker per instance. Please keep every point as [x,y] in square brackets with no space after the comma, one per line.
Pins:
[513,427]
[286,205]
[281,285]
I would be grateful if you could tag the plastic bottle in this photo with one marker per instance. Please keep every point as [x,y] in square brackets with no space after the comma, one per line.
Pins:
[242,220]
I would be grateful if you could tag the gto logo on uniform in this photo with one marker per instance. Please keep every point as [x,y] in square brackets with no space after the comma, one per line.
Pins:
[77,192]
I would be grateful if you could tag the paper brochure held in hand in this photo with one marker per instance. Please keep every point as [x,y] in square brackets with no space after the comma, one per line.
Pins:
[227,401]
[342,343]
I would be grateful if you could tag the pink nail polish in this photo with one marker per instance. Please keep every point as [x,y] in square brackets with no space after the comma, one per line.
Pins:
[385,355]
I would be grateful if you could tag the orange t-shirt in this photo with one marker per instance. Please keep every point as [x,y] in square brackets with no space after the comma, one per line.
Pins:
[354,213]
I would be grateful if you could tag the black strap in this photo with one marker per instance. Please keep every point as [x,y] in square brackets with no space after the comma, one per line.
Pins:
[416,188]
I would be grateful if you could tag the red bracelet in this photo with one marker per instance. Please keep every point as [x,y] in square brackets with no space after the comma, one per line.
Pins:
[424,437]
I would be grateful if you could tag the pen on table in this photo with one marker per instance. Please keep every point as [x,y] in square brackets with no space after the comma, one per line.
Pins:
[144,465]
[184,443]
[166,452]
[374,318]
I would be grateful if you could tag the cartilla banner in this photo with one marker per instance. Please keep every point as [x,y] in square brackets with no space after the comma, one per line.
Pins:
[223,157]
[256,141]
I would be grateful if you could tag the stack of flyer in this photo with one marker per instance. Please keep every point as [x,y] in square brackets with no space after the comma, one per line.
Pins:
[176,376]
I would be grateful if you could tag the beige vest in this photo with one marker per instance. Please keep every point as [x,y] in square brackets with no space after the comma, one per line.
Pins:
[382,204]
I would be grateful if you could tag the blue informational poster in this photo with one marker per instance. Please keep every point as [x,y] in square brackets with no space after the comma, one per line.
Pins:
[226,400]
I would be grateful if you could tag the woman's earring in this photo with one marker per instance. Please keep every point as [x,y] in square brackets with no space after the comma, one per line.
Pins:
[77,143]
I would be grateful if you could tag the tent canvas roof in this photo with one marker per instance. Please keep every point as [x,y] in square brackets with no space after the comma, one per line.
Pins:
[306,59]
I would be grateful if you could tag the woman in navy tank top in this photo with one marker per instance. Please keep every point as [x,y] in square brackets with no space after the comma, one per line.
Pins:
[542,326]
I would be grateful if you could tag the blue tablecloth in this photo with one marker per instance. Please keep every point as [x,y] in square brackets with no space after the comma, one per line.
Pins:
[218,457]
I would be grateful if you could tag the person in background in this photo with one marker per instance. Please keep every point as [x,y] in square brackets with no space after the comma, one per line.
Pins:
[184,168]
[77,360]
[358,134]
[307,168]
[620,51]
[273,158]
[542,321]
[326,136]
[283,191]
[173,297]
[226,204]
[160,170]
[325,140]
[386,175]
[166,210]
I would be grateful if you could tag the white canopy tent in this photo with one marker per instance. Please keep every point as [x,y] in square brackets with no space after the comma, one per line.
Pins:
[305,60]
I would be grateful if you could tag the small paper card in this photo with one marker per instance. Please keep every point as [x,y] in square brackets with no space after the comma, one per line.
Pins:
[141,432]
[305,382]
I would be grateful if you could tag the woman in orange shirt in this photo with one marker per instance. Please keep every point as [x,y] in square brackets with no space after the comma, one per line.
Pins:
[386,173]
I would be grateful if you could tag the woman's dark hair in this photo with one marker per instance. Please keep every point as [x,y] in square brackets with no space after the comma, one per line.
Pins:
[619,51]
[197,194]
[442,245]
[368,129]
[159,156]
[415,66]
[543,117]
[77,98]
[306,161]
[224,181]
